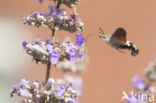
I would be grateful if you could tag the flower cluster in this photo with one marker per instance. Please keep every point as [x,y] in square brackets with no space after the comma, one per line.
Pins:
[69,3]
[44,52]
[55,18]
[51,52]
[51,92]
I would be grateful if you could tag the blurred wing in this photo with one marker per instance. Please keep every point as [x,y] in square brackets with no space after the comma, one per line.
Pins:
[120,36]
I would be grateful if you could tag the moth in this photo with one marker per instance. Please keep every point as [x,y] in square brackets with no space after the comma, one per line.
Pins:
[119,41]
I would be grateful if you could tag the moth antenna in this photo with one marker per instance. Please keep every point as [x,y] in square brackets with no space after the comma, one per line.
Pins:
[101,31]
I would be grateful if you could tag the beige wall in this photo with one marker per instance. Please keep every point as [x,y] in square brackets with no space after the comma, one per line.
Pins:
[109,72]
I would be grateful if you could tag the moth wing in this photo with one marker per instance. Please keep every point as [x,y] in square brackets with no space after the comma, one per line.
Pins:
[120,36]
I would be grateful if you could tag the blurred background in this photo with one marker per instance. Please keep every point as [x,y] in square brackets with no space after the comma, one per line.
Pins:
[109,72]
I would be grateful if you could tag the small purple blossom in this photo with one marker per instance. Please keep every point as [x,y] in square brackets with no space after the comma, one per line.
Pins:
[38,15]
[60,91]
[77,55]
[24,44]
[51,10]
[73,19]
[24,83]
[54,55]
[40,1]
[50,82]
[25,93]
[35,84]
[75,82]
[49,42]
[79,40]
[73,51]
[139,83]
[71,48]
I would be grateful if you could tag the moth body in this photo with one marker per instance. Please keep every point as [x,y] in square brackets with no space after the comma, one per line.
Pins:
[118,41]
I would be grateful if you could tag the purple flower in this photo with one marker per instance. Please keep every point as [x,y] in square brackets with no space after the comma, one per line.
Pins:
[71,48]
[79,40]
[51,10]
[49,42]
[73,51]
[24,44]
[24,93]
[76,56]
[35,84]
[50,82]
[58,13]
[139,83]
[24,83]
[37,60]
[54,55]
[60,91]
[72,19]
[15,88]
[37,15]
[40,1]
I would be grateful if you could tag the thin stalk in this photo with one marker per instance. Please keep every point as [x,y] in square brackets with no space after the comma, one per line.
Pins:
[48,72]
[49,64]
[53,34]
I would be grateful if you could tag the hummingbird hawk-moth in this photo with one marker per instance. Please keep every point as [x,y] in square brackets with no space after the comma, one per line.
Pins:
[118,40]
